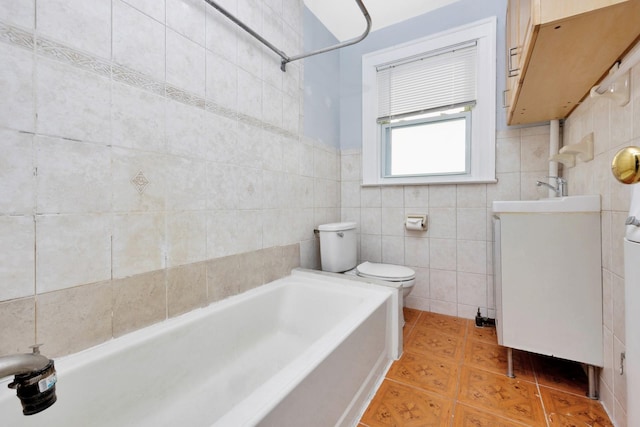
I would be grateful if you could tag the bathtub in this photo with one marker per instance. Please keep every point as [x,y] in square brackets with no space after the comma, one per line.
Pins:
[308,349]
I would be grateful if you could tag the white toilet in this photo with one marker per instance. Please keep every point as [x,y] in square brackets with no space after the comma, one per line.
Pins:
[338,254]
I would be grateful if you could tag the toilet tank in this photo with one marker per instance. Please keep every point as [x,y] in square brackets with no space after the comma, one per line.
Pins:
[338,250]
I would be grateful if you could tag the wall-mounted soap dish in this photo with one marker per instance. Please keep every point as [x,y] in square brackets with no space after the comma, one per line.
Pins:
[583,149]
[567,159]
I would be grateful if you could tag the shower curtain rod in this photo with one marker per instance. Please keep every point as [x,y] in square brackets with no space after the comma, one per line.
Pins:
[285,58]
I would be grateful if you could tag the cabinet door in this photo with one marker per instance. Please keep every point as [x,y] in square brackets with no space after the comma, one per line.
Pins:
[518,29]
[511,39]
[550,284]
[525,26]
[524,29]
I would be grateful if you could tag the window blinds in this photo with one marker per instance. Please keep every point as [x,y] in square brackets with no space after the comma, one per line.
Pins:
[434,81]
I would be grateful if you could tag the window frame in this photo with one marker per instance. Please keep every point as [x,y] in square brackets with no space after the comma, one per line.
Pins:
[483,115]
[386,141]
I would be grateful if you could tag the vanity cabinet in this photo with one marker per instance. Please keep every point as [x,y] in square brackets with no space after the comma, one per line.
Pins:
[548,284]
[548,278]
[558,50]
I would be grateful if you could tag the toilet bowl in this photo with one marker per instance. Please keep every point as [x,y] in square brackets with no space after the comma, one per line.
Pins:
[338,254]
[402,275]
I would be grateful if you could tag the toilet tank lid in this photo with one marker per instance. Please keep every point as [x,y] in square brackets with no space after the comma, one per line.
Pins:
[390,272]
[337,226]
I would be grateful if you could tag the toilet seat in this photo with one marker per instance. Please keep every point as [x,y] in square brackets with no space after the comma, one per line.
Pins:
[388,272]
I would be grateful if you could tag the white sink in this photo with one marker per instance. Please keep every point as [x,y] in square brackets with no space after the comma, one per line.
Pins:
[553,204]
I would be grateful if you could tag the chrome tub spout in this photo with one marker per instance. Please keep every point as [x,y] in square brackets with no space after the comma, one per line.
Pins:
[35,379]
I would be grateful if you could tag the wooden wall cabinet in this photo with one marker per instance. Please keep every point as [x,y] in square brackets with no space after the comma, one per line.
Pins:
[558,50]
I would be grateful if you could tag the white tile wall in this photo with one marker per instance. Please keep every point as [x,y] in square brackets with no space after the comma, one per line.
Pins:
[19,12]
[152,8]
[72,176]
[443,254]
[442,223]
[16,85]
[221,34]
[141,135]
[455,254]
[126,164]
[17,173]
[71,250]
[186,238]
[17,273]
[416,251]
[222,81]
[138,41]
[392,222]
[185,130]
[272,104]
[137,119]
[185,63]
[614,127]
[392,249]
[186,181]
[72,103]
[81,24]
[138,243]
[187,17]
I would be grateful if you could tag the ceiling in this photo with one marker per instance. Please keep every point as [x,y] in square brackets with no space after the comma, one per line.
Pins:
[344,18]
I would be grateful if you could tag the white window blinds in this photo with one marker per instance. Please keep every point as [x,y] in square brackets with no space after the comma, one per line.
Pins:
[430,82]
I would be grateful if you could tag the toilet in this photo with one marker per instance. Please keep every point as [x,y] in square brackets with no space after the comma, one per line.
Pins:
[338,254]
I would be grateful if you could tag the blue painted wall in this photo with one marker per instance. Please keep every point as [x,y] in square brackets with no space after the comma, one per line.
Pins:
[321,84]
[349,76]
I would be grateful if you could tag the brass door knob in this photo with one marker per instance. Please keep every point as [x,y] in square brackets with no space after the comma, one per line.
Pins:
[625,165]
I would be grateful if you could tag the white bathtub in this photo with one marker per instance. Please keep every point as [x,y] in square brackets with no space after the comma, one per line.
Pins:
[308,350]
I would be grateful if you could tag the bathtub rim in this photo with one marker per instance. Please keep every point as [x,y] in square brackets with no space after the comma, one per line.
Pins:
[132,338]
[396,323]
[319,353]
[93,355]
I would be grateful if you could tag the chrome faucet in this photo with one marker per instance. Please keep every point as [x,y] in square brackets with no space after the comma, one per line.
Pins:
[560,188]
[35,379]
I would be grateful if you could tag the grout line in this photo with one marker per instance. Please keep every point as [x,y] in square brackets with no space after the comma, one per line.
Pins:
[544,410]
[537,383]
[460,364]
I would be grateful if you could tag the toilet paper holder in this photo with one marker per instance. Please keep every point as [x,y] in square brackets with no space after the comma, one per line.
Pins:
[416,222]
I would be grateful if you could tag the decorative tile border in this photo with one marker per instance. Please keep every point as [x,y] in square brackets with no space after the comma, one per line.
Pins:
[220,110]
[184,97]
[119,73]
[16,36]
[136,79]
[73,57]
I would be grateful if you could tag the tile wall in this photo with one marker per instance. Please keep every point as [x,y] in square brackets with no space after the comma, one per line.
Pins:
[453,259]
[614,127]
[153,162]
[153,156]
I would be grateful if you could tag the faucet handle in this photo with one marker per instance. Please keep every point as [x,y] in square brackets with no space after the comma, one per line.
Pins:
[558,179]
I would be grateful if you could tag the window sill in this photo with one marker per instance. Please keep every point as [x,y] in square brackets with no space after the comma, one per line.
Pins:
[433,181]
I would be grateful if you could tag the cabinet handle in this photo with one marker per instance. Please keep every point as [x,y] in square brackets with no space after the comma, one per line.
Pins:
[504,98]
[513,71]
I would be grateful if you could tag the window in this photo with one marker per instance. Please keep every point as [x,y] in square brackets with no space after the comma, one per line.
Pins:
[415,147]
[429,109]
